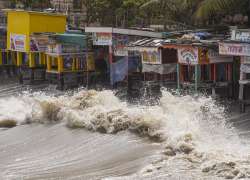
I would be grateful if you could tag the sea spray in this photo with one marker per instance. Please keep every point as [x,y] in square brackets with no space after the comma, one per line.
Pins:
[192,129]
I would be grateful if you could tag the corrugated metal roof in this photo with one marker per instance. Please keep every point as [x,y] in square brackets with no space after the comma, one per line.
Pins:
[157,43]
[148,42]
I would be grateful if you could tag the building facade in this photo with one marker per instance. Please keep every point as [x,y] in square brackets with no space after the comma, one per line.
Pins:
[4,4]
[74,9]
[3,19]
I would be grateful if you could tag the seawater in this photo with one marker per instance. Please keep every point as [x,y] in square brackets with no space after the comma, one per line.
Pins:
[92,134]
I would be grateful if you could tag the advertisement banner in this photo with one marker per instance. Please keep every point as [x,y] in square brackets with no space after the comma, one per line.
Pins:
[188,55]
[120,51]
[39,43]
[160,69]
[18,42]
[102,39]
[240,35]
[234,49]
[151,57]
[119,44]
[215,57]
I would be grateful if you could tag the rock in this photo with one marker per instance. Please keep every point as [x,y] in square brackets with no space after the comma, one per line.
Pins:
[8,123]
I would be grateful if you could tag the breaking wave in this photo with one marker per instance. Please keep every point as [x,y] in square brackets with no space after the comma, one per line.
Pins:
[190,128]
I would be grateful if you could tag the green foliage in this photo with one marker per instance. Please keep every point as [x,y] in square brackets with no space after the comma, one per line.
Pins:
[192,11]
[39,4]
[127,13]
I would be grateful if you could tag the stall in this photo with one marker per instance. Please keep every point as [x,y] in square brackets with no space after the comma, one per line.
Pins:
[202,69]
[68,60]
[27,39]
[157,67]
[111,55]
[239,48]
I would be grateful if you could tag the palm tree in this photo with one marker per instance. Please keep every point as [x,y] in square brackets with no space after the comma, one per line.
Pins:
[204,10]
[179,11]
[211,8]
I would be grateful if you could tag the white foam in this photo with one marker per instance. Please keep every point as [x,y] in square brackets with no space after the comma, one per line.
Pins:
[186,124]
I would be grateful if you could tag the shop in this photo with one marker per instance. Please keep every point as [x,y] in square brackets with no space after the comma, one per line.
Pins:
[157,68]
[27,39]
[67,60]
[112,59]
[201,69]
[239,48]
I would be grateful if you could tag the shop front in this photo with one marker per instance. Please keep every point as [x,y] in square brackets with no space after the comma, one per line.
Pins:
[242,51]
[113,60]
[27,39]
[202,69]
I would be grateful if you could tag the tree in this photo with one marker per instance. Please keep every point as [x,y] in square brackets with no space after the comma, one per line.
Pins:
[174,11]
[210,8]
[205,11]
[32,4]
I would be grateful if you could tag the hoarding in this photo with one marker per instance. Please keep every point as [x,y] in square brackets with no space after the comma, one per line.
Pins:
[18,42]
[119,44]
[215,57]
[152,56]
[102,39]
[234,49]
[120,51]
[240,35]
[188,55]
[39,43]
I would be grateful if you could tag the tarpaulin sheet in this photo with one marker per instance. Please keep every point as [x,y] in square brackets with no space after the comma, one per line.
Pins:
[133,63]
[160,69]
[119,70]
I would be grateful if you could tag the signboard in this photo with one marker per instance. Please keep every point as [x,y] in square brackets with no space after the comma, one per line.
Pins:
[120,51]
[119,44]
[239,35]
[234,49]
[39,43]
[17,42]
[151,57]
[215,57]
[188,55]
[102,39]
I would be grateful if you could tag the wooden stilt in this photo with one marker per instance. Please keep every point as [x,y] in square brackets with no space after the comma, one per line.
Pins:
[196,77]
[178,76]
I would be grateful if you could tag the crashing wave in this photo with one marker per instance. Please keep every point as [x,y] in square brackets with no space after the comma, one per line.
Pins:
[191,128]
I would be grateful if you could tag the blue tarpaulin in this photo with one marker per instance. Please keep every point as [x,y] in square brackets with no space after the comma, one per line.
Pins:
[119,70]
